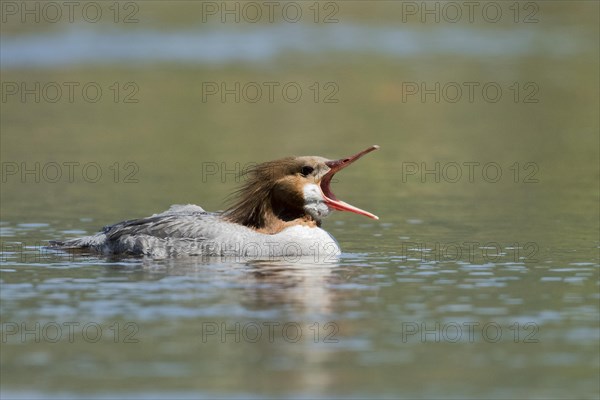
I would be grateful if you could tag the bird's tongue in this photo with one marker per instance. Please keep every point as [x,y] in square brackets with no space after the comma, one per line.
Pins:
[336,166]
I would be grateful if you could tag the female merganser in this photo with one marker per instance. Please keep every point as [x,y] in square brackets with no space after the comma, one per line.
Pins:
[277,213]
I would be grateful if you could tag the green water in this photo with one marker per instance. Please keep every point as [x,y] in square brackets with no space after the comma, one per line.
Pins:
[474,285]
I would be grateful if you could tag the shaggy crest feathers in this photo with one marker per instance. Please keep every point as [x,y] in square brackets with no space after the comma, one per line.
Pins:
[252,203]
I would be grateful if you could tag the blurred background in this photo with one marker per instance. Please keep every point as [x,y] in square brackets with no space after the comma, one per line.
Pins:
[487,118]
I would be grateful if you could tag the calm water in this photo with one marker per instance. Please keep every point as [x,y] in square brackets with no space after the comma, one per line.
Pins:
[78,45]
[481,287]
[402,313]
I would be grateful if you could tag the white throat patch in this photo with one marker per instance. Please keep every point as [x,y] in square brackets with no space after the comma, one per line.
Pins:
[314,203]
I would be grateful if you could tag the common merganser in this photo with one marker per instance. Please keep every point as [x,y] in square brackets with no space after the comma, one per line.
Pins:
[277,213]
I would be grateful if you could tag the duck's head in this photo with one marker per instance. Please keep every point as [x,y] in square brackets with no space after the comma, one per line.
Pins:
[289,189]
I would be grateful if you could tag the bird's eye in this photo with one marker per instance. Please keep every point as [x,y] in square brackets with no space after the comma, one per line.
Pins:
[306,170]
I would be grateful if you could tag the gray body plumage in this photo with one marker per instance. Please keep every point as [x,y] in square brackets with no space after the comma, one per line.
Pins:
[189,230]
